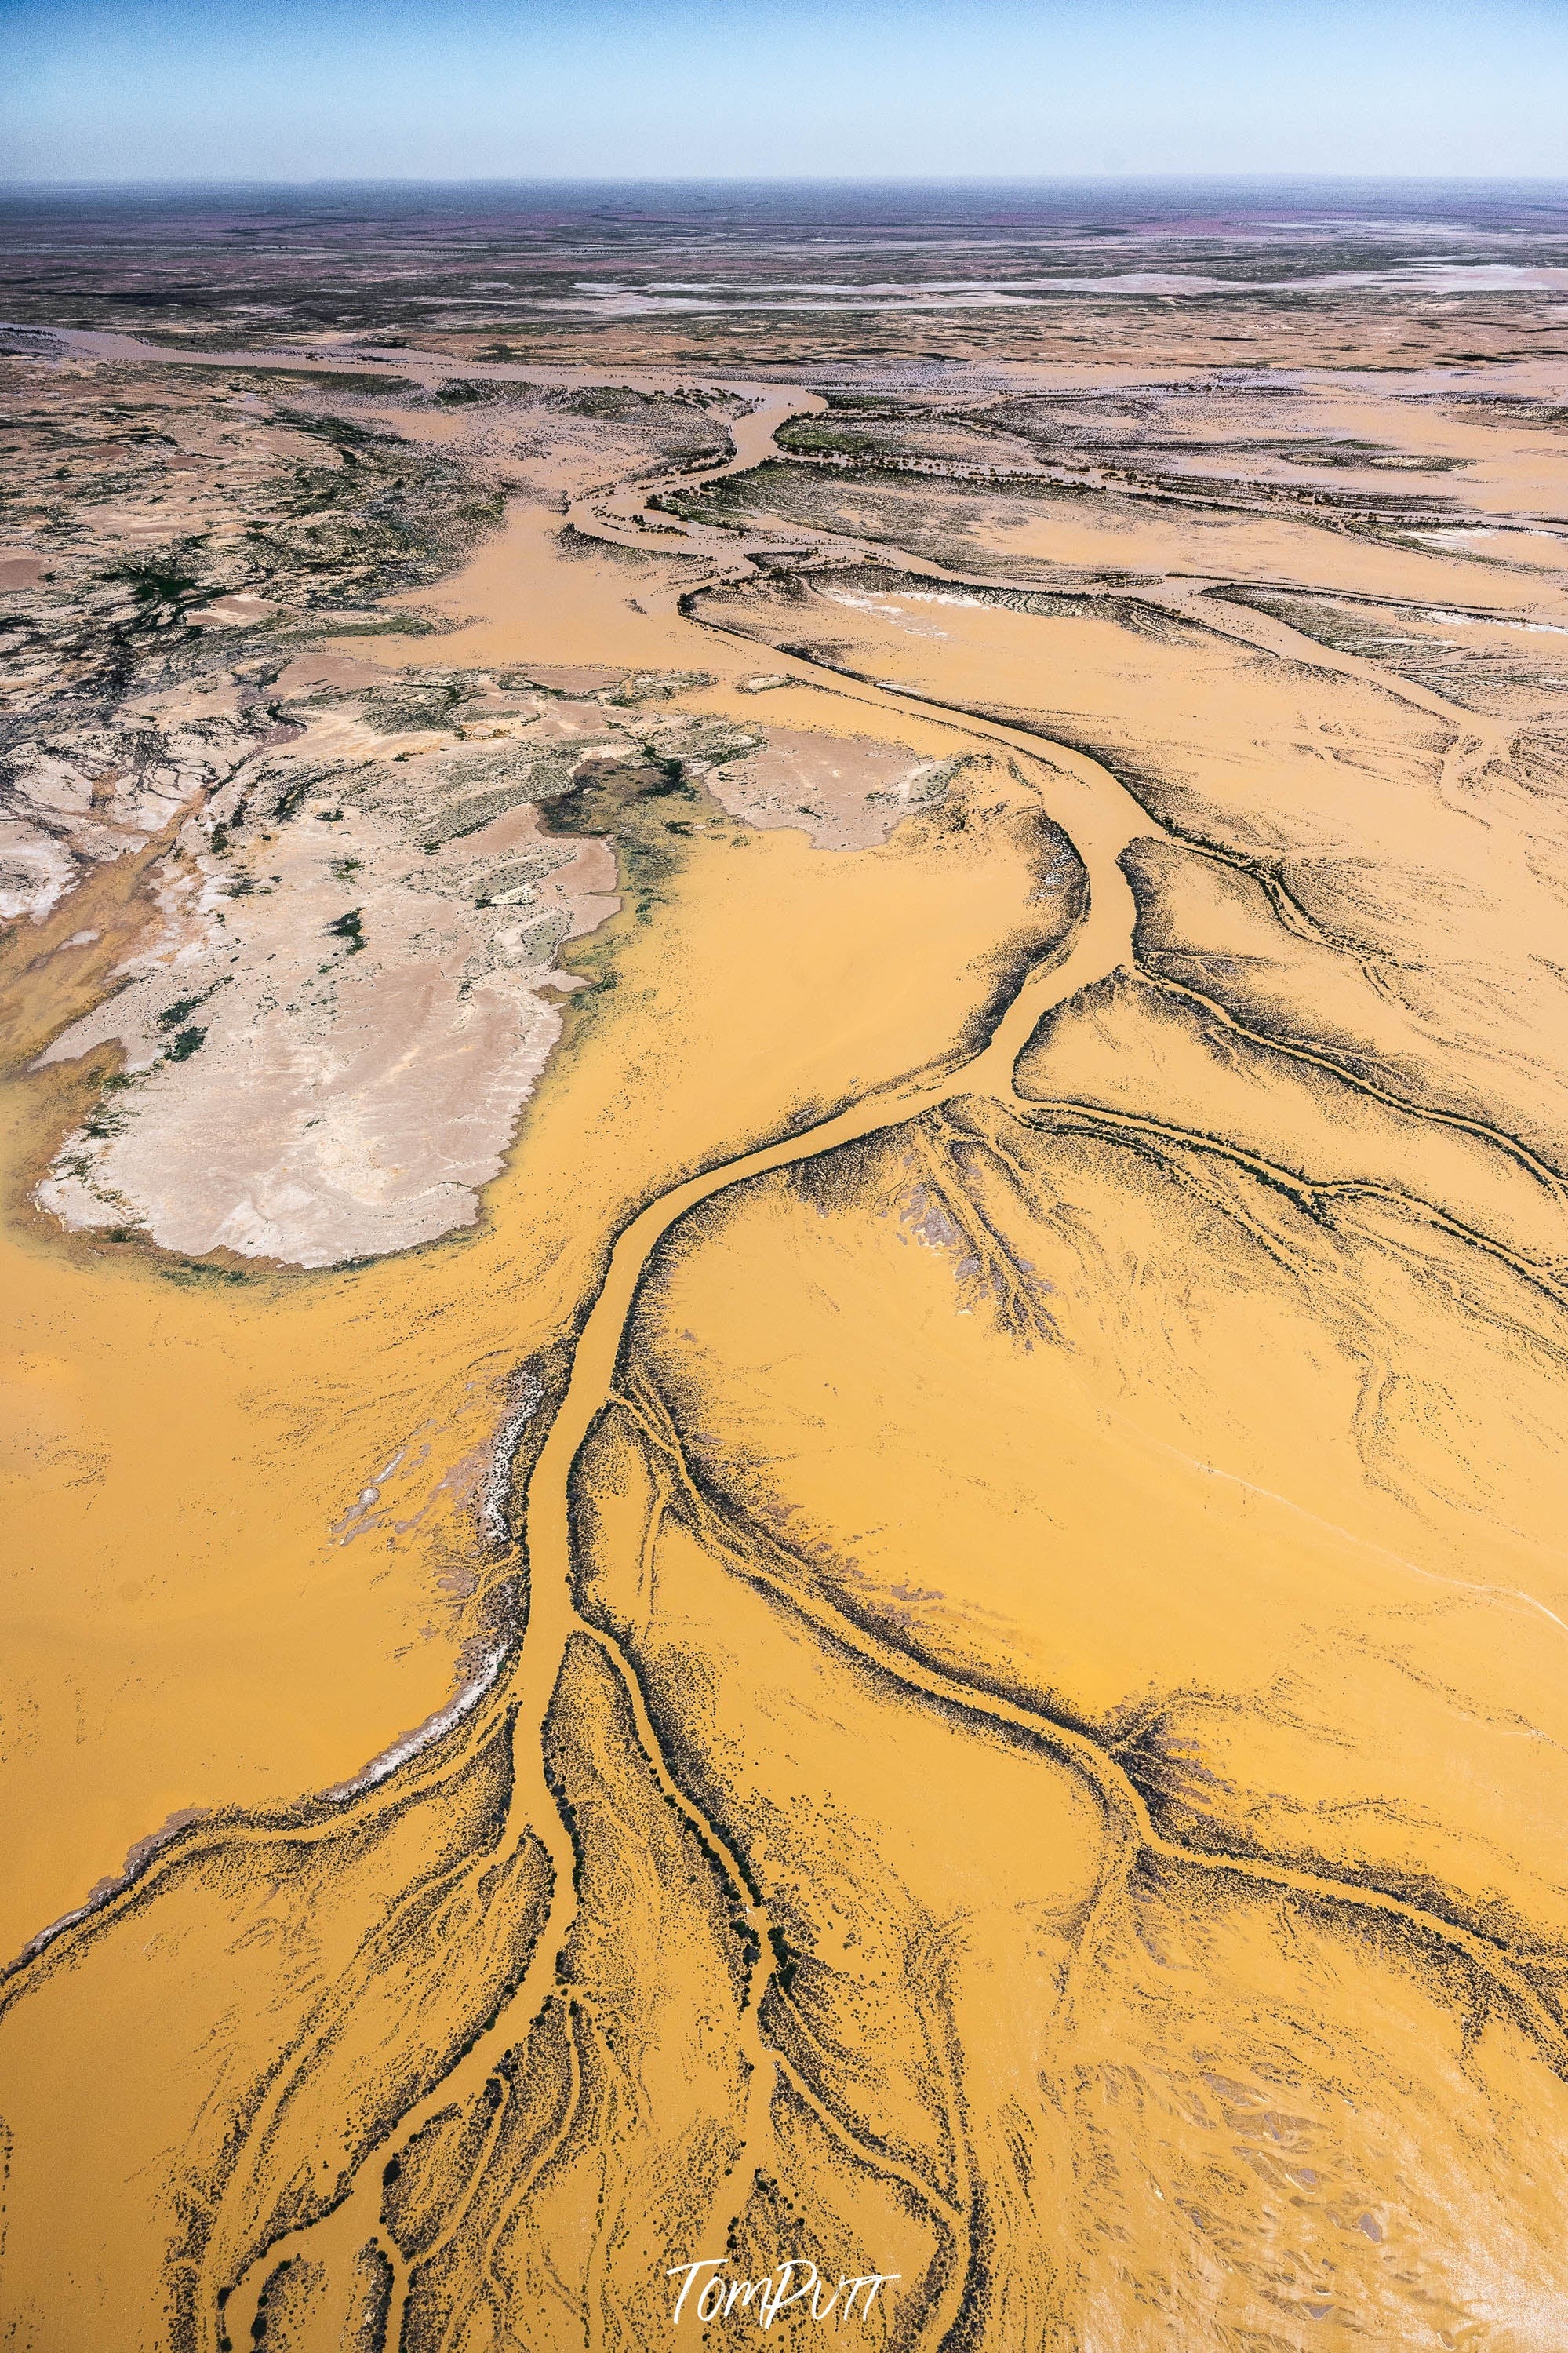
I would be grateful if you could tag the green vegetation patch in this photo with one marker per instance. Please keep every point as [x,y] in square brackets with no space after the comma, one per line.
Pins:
[173,1015]
[349,927]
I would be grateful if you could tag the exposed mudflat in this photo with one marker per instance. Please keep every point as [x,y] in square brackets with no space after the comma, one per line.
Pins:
[786,1183]
[366,943]
[847,794]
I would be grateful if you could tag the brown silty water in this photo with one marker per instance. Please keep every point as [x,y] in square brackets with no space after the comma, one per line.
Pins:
[969,1521]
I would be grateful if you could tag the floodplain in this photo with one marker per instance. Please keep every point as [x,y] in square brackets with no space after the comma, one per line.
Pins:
[785,1042]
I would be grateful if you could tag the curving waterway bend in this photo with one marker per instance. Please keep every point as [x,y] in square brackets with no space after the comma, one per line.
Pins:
[1099,818]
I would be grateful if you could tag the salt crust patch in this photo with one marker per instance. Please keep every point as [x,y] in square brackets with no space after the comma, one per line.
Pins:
[847,792]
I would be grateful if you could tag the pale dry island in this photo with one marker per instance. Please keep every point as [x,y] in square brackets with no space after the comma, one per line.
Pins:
[786,1028]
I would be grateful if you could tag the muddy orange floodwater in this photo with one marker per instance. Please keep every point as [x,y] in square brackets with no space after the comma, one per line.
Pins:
[788,1272]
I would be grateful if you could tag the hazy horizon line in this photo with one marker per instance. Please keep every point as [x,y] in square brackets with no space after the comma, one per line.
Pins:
[1282,179]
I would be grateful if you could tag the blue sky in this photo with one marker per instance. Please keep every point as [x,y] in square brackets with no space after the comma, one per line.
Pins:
[290,89]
